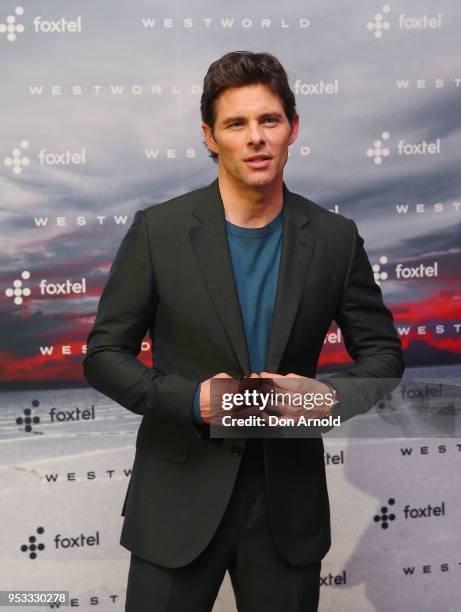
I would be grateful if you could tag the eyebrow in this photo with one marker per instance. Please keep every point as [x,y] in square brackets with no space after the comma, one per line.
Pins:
[229,120]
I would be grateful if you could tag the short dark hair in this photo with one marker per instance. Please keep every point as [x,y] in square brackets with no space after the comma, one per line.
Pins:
[239,68]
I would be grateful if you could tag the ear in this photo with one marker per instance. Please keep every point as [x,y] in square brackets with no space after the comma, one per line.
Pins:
[294,129]
[209,139]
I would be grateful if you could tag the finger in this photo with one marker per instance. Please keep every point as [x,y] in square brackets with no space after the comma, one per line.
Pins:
[270,375]
[277,383]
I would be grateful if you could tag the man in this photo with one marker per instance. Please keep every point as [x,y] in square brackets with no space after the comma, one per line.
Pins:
[238,279]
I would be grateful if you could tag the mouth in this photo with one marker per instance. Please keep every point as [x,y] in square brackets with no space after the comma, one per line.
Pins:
[258,161]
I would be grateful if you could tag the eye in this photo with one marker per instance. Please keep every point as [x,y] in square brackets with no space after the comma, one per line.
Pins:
[270,120]
[236,124]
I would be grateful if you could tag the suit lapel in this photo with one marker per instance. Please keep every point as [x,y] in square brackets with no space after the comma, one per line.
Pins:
[209,242]
[297,249]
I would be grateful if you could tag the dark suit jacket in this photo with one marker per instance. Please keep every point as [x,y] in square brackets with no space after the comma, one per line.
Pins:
[172,275]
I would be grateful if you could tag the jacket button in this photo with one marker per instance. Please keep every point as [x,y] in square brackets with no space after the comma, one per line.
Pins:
[236,450]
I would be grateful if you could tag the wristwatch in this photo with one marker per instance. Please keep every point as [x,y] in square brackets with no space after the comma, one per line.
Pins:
[334,393]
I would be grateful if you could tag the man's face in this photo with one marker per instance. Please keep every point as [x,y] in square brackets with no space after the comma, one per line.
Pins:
[251,135]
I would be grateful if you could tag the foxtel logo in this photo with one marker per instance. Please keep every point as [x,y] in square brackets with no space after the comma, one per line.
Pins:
[57,25]
[18,160]
[384,517]
[422,22]
[416,271]
[59,416]
[419,148]
[67,287]
[381,23]
[402,272]
[424,512]
[319,88]
[64,158]
[76,542]
[11,28]
[381,149]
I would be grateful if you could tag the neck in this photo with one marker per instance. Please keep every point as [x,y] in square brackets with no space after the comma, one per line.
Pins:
[250,206]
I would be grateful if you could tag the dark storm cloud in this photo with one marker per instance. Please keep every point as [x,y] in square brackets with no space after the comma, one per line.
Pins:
[383,192]
[22,335]
[438,117]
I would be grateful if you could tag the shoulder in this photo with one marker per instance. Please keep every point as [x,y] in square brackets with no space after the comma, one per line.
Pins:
[176,207]
[325,220]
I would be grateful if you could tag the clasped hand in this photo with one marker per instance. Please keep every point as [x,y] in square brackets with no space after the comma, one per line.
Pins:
[287,395]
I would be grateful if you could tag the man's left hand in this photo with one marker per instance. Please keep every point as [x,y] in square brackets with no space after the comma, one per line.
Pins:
[319,394]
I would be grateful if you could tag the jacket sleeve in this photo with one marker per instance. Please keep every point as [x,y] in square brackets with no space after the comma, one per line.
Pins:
[370,339]
[125,312]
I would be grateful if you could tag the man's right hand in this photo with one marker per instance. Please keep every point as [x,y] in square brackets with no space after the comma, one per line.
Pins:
[210,407]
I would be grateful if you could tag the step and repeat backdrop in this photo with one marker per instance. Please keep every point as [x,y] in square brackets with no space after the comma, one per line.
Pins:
[100,117]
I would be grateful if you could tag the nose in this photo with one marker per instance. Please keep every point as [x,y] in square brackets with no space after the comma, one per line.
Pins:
[255,134]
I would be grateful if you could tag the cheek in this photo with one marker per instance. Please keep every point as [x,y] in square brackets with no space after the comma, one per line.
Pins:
[230,157]
[228,147]
[282,142]
[233,154]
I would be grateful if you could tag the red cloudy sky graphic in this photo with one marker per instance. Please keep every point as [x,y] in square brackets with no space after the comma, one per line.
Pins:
[442,310]
[65,333]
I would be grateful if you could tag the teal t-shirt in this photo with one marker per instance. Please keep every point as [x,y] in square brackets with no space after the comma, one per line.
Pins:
[255,255]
